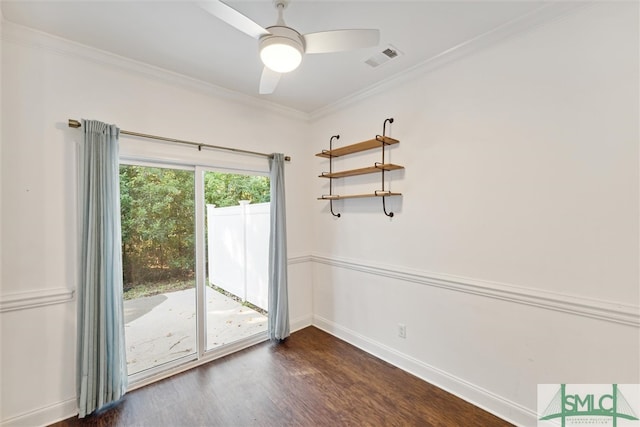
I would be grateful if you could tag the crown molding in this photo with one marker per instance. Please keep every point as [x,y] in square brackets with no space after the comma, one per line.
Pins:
[545,14]
[29,37]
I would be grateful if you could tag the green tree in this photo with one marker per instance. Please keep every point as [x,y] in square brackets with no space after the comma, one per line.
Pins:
[227,189]
[158,211]
[158,217]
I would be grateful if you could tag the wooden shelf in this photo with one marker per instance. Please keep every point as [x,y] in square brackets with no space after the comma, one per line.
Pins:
[377,142]
[380,141]
[362,171]
[359,196]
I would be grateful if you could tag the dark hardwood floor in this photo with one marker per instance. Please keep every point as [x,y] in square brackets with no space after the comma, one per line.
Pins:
[312,379]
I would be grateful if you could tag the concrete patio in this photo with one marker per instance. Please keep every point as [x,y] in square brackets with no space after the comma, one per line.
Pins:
[162,328]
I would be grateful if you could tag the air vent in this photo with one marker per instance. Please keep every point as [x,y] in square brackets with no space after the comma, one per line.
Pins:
[384,56]
[390,52]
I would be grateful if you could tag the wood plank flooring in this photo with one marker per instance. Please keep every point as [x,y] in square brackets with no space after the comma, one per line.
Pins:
[312,379]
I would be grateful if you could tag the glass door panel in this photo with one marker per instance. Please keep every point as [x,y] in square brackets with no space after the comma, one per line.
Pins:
[158,250]
[236,261]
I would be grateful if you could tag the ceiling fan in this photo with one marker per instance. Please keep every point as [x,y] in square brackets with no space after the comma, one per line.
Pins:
[282,47]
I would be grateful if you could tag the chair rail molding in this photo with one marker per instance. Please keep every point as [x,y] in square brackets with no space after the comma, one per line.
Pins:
[610,311]
[299,259]
[41,297]
[35,298]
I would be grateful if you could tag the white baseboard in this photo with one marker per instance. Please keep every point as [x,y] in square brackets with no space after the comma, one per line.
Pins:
[490,402]
[45,415]
[300,323]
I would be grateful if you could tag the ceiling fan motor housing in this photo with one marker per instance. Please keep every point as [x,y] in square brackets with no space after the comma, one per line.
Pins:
[282,50]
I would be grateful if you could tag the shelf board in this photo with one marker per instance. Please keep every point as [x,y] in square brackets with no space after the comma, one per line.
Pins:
[377,142]
[358,196]
[362,171]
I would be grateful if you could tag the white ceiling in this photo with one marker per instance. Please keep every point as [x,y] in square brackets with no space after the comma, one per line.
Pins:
[182,37]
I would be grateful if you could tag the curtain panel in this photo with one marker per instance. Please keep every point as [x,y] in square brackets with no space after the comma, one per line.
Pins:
[101,358]
[278,320]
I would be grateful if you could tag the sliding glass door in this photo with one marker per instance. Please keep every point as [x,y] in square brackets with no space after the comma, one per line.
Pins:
[195,254]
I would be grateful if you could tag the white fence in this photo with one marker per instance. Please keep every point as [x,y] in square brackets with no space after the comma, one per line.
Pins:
[238,250]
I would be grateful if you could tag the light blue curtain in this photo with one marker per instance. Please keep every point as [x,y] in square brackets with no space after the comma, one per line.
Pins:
[278,323]
[102,362]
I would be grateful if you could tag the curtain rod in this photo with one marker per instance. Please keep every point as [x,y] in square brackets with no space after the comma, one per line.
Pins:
[76,124]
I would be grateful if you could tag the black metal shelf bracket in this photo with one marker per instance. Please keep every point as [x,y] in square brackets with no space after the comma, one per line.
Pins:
[384,133]
[384,208]
[337,215]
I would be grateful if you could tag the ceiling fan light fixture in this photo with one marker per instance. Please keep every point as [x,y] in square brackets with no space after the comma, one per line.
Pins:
[282,50]
[280,54]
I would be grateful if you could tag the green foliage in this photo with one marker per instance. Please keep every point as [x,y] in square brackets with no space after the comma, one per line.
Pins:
[158,218]
[158,223]
[226,189]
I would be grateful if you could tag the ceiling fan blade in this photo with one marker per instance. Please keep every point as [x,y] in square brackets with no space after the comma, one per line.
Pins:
[340,40]
[234,18]
[269,81]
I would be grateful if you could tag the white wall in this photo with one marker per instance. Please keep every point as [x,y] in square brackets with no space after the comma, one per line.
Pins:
[513,255]
[1,221]
[513,251]
[46,81]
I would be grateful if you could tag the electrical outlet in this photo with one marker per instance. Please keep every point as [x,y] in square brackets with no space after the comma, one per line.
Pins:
[402,330]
